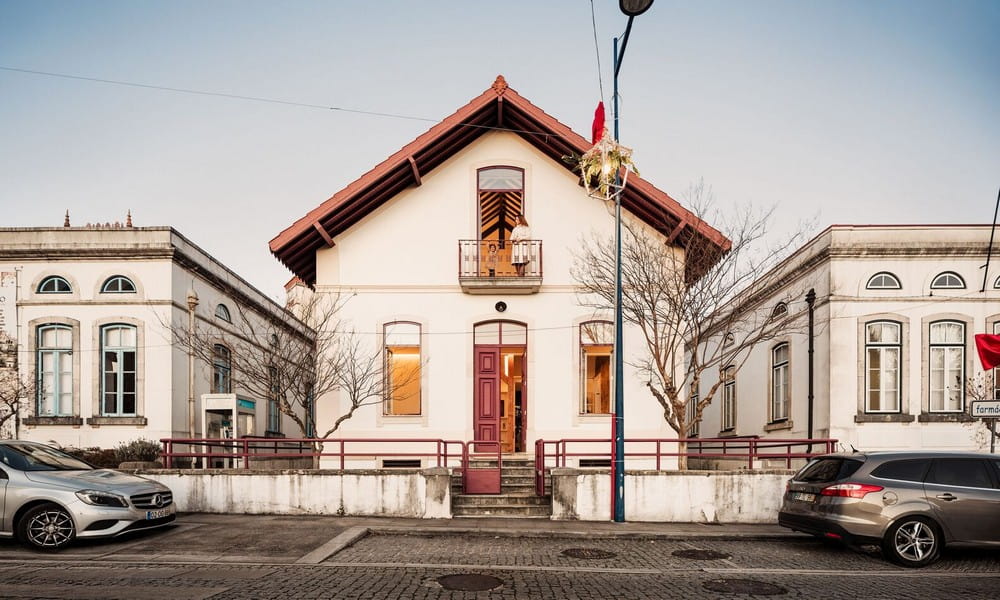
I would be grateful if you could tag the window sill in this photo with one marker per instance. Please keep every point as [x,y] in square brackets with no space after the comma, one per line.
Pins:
[403,418]
[727,433]
[271,434]
[778,426]
[883,418]
[955,417]
[36,421]
[594,416]
[98,421]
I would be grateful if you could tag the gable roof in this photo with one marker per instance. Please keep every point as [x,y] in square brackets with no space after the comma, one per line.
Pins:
[499,107]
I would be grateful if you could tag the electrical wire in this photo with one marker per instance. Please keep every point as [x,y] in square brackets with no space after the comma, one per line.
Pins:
[597,48]
[272,101]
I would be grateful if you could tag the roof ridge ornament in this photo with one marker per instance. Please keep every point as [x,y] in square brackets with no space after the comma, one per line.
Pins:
[500,85]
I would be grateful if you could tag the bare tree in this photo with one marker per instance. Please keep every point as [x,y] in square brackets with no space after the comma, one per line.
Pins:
[295,360]
[697,308]
[15,395]
[983,387]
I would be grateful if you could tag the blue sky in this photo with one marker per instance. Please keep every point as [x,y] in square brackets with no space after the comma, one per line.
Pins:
[846,111]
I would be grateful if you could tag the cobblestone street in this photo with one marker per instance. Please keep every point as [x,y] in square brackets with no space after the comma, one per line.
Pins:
[391,565]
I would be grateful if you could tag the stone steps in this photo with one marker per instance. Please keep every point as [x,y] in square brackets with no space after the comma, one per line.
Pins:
[516,500]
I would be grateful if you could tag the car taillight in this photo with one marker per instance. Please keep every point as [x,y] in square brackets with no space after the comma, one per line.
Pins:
[850,490]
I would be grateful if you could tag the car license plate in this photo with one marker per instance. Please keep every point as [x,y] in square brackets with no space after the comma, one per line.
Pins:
[803,496]
[157,514]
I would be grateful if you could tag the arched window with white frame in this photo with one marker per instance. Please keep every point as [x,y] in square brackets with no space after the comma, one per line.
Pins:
[54,378]
[597,340]
[780,395]
[118,369]
[401,346]
[949,280]
[946,372]
[883,280]
[883,349]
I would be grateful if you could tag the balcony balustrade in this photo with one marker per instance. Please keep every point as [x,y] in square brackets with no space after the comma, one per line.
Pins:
[486,266]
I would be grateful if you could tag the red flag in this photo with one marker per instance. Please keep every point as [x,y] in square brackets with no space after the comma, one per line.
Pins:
[597,129]
[989,350]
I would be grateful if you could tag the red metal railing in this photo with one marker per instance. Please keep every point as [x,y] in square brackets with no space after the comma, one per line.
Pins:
[493,258]
[447,453]
[553,453]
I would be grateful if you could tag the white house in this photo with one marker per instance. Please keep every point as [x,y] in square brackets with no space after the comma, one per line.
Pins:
[895,311]
[423,244]
[92,310]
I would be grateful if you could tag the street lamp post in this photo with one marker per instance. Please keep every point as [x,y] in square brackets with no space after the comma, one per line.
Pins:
[631,8]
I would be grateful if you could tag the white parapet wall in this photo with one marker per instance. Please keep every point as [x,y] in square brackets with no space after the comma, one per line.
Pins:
[674,496]
[412,493]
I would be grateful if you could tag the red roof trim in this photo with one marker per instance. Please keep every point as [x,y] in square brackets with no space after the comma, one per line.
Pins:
[296,246]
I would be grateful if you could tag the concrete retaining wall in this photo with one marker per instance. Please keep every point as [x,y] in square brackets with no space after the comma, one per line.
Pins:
[416,493]
[675,496]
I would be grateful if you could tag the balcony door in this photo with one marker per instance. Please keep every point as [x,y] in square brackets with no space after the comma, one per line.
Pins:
[500,394]
[501,199]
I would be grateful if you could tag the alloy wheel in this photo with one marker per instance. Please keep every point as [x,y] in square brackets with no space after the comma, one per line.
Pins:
[50,528]
[915,541]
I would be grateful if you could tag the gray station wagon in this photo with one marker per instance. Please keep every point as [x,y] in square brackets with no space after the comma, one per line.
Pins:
[910,503]
[48,498]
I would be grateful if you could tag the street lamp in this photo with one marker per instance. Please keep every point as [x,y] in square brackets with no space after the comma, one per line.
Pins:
[631,8]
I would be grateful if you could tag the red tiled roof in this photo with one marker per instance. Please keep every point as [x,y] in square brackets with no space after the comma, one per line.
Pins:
[499,107]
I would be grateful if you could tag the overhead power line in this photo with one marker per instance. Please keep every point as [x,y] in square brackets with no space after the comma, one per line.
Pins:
[164,88]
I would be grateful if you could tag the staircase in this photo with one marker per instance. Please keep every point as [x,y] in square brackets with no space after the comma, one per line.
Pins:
[516,500]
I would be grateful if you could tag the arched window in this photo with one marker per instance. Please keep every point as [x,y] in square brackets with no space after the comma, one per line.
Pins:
[729,398]
[949,280]
[54,284]
[883,349]
[401,343]
[222,311]
[883,281]
[118,367]
[55,371]
[780,310]
[996,284]
[501,199]
[779,383]
[597,340]
[946,353]
[222,367]
[500,333]
[119,284]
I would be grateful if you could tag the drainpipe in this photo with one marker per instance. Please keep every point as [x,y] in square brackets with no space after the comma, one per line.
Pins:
[811,301]
[192,302]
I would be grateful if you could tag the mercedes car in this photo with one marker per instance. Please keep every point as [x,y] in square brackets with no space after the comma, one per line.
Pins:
[49,498]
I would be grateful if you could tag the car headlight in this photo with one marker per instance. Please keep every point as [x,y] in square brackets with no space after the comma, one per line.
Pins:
[98,498]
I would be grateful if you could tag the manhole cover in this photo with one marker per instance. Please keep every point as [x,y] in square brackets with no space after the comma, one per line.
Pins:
[588,553]
[701,554]
[743,586]
[469,582]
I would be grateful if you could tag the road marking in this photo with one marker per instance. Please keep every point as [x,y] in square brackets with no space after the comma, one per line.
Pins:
[841,572]
[503,568]
[345,539]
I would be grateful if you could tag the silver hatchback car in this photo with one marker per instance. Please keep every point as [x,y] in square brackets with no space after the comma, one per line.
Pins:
[910,503]
[48,498]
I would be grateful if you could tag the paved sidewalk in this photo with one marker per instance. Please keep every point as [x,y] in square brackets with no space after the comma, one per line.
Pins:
[312,539]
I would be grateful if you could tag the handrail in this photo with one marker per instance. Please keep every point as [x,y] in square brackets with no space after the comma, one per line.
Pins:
[751,448]
[247,449]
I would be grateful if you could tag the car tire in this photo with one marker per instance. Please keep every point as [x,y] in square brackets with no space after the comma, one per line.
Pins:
[913,542]
[46,527]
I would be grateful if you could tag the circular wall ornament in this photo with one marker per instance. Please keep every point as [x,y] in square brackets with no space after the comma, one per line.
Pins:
[500,306]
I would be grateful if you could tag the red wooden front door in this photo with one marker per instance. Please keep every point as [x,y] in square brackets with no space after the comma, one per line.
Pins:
[486,411]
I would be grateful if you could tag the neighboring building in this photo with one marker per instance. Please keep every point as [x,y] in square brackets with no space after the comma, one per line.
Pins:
[896,310]
[92,310]
[423,245]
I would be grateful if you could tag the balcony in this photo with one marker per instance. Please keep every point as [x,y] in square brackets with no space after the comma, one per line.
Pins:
[485,267]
